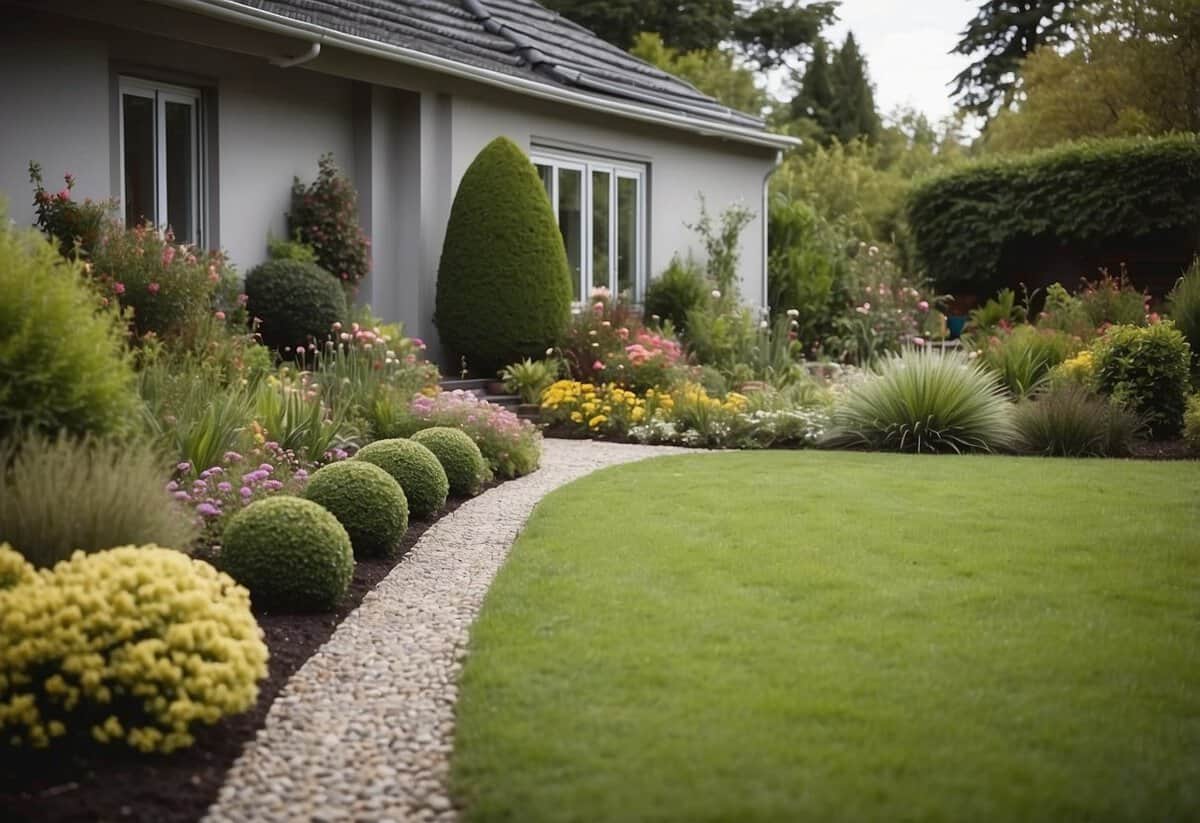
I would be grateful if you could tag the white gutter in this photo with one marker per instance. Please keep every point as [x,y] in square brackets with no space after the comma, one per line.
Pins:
[235,12]
[314,51]
[766,227]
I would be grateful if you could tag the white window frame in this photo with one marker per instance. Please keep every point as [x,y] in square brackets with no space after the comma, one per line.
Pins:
[616,171]
[162,94]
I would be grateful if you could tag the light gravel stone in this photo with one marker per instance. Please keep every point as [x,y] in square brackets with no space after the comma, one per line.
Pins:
[364,729]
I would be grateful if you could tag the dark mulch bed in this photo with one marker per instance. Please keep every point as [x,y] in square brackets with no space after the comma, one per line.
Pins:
[1164,450]
[110,784]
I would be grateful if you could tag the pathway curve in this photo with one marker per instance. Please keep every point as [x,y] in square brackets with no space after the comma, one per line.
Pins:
[363,731]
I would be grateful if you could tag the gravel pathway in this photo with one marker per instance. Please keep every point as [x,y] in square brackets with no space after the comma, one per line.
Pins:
[363,731]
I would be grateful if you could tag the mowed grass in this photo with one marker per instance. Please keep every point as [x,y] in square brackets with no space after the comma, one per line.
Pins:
[836,636]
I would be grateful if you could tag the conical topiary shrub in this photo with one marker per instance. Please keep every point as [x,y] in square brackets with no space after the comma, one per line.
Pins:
[504,284]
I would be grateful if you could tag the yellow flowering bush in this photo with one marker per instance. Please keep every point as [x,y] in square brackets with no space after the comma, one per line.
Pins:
[601,408]
[133,645]
[1079,370]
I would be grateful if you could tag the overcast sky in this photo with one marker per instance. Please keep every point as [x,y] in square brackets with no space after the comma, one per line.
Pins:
[906,44]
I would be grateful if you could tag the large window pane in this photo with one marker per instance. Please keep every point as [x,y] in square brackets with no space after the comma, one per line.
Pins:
[570,221]
[627,233]
[601,222]
[137,115]
[547,174]
[181,179]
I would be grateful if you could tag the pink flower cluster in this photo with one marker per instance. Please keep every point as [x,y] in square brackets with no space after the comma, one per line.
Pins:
[651,345]
[511,446]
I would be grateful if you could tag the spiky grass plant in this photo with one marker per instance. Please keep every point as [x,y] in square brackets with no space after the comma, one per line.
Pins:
[59,495]
[1024,357]
[1071,421]
[1184,307]
[923,400]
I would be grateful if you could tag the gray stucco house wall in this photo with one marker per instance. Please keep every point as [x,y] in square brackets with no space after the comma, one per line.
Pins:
[403,102]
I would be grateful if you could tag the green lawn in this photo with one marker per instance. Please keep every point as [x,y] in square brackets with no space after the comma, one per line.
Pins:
[835,636]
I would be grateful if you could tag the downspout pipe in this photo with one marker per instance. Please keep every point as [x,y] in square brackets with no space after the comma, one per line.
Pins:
[314,51]
[766,227]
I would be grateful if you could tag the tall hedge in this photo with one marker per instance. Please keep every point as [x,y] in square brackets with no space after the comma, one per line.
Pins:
[962,220]
[504,284]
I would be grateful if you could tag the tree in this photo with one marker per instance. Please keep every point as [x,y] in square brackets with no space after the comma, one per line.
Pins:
[853,107]
[765,32]
[814,101]
[1133,69]
[714,72]
[1003,33]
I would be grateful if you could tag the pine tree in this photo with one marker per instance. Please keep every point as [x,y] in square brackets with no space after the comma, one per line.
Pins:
[814,101]
[853,109]
[1006,32]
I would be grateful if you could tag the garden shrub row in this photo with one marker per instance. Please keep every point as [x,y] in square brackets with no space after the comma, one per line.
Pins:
[962,220]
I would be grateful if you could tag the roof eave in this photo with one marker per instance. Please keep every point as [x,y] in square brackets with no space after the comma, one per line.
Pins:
[235,12]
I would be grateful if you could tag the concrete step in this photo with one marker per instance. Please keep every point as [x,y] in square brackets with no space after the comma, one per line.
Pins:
[451,384]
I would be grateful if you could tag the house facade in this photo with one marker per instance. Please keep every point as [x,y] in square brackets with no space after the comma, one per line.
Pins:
[199,113]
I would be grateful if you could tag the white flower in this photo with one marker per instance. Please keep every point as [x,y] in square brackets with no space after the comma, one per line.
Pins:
[764,324]
[716,293]
[793,312]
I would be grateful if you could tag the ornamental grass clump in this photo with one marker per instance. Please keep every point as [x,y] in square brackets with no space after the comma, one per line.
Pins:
[924,401]
[134,646]
[1071,421]
[65,494]
[415,468]
[1024,357]
[460,457]
[292,554]
[368,503]
[1184,307]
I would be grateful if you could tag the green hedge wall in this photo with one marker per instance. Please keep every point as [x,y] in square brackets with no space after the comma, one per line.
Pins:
[1079,193]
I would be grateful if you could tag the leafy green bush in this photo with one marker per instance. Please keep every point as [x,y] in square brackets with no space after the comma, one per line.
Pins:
[1024,357]
[136,645]
[1070,421]
[366,501]
[1064,312]
[807,268]
[296,302]
[504,284]
[324,217]
[415,468]
[1146,369]
[459,456]
[924,401]
[962,220]
[1191,422]
[116,492]
[1184,302]
[291,554]
[676,293]
[1110,300]
[63,362]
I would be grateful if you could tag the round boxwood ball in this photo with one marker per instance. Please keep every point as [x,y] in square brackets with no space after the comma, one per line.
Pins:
[296,301]
[291,554]
[415,468]
[459,456]
[368,503]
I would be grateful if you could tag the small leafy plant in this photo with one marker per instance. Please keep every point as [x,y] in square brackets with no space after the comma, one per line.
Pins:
[528,378]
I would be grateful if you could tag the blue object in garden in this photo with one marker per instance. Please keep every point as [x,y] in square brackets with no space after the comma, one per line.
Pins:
[956,325]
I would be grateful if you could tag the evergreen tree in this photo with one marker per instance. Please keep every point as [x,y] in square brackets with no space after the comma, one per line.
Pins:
[814,101]
[853,109]
[1006,32]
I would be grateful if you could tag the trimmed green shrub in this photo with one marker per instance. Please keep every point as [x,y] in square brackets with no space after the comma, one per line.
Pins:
[808,268]
[291,554]
[296,302]
[63,361]
[1070,421]
[415,468]
[116,493]
[134,646]
[676,293]
[459,456]
[504,284]
[368,503]
[924,401]
[1191,422]
[1184,308]
[1146,369]
[962,220]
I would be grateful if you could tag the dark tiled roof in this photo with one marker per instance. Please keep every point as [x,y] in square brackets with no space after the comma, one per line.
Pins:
[517,37]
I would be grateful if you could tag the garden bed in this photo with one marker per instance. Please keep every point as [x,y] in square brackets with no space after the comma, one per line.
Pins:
[111,784]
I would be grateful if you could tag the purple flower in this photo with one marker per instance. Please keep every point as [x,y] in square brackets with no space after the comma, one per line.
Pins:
[208,510]
[300,475]
[172,486]
[245,492]
[185,466]
[224,487]
[272,485]
[231,457]
[182,496]
[266,467]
